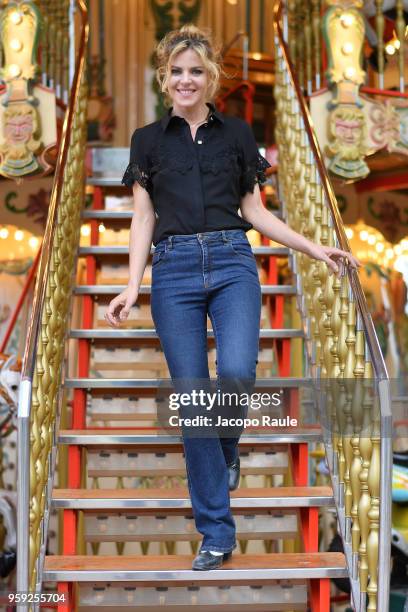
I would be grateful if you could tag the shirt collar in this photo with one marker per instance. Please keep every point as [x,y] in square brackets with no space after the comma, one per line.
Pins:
[165,120]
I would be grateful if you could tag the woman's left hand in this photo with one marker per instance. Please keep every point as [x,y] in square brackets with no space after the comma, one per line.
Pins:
[333,257]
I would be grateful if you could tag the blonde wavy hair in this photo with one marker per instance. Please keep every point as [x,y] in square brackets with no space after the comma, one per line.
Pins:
[199,40]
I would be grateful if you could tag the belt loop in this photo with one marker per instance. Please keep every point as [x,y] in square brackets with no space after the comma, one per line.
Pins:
[224,237]
[169,243]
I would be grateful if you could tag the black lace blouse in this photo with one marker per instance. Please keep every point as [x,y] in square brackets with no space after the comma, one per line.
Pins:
[195,186]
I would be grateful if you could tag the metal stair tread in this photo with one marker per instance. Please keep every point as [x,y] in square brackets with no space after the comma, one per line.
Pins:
[105,333]
[102,213]
[132,437]
[177,568]
[124,250]
[146,289]
[115,214]
[149,383]
[105,181]
[168,499]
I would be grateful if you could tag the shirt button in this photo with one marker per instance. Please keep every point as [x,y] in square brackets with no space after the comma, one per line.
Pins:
[199,142]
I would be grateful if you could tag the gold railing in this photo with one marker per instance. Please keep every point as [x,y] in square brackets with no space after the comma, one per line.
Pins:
[45,348]
[343,352]
[55,45]
[303,24]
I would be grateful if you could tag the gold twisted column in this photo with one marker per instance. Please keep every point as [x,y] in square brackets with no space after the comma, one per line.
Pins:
[356,464]
[380,25]
[365,500]
[400,27]
[51,342]
[316,29]
[374,512]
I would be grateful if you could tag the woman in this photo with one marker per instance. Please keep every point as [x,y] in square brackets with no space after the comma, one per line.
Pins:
[190,172]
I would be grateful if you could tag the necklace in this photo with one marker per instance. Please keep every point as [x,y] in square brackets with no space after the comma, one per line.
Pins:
[192,125]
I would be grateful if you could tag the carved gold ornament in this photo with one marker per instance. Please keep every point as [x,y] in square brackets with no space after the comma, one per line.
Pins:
[346,148]
[344,32]
[22,146]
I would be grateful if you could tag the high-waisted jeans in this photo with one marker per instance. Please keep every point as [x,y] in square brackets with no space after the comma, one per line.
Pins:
[194,275]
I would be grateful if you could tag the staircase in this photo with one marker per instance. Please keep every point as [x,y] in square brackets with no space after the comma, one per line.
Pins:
[126,530]
[156,521]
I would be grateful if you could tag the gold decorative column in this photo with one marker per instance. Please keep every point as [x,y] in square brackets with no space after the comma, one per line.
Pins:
[344,32]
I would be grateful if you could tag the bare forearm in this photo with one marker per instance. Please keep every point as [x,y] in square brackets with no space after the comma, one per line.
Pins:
[270,226]
[140,241]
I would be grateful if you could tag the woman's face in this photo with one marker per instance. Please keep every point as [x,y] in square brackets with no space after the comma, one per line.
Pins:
[188,80]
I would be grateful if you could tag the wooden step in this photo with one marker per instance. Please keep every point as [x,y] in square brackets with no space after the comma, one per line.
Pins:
[169,499]
[146,289]
[153,383]
[176,569]
[100,251]
[108,438]
[150,334]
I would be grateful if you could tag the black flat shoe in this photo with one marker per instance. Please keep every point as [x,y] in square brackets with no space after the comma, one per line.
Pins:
[206,561]
[233,475]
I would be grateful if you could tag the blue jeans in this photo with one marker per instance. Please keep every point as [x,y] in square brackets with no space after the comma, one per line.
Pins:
[194,275]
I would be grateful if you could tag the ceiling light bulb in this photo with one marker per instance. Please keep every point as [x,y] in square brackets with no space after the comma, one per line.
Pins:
[363,235]
[390,49]
[18,235]
[85,230]
[4,232]
[371,239]
[349,233]
[379,247]
[33,242]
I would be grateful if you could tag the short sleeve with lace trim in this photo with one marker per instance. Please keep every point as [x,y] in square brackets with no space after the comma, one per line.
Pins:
[253,165]
[138,168]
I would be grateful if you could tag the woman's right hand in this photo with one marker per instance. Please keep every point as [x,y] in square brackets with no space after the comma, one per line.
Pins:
[119,307]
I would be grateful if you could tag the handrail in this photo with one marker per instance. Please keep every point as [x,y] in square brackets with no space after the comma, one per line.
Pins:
[378,360]
[360,453]
[228,46]
[248,96]
[26,471]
